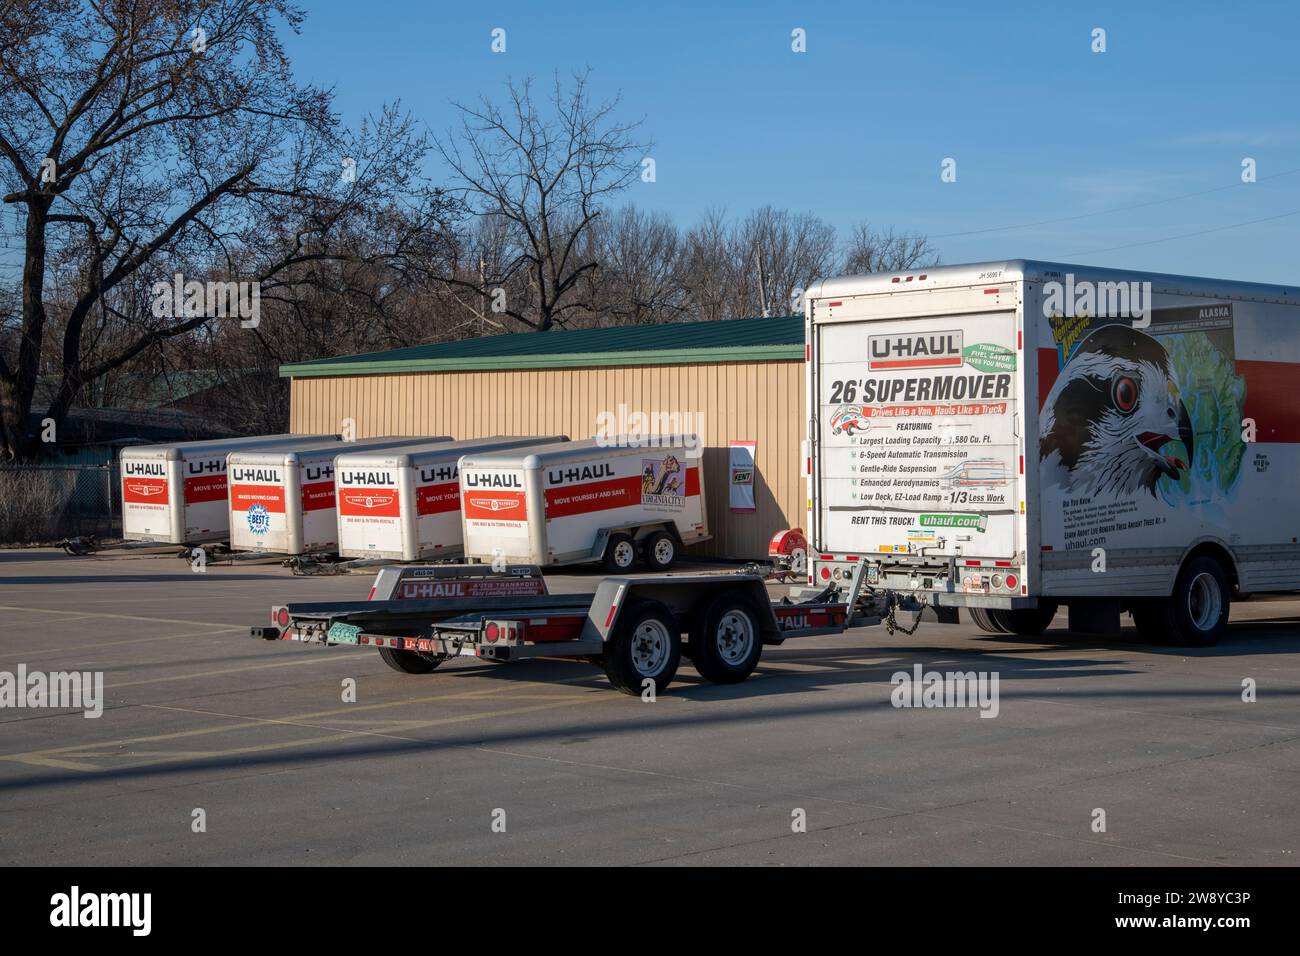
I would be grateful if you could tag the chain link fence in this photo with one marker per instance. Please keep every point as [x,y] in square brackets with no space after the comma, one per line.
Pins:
[42,503]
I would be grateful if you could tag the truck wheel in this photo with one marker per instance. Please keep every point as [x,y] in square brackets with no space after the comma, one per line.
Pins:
[660,551]
[1025,622]
[1195,615]
[408,662]
[983,620]
[726,641]
[646,645]
[620,553]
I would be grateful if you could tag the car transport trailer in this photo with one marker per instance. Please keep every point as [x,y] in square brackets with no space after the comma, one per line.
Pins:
[632,626]
[404,504]
[176,493]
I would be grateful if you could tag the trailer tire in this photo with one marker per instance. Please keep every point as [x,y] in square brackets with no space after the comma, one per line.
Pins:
[646,645]
[1024,622]
[660,551]
[1195,615]
[984,620]
[726,640]
[408,662]
[620,553]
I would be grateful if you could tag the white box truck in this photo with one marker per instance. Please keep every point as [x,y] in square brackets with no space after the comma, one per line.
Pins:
[1010,437]
[176,493]
[283,500]
[610,500]
[404,504]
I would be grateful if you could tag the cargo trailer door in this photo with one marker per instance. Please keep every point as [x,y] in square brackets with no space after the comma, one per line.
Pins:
[918,446]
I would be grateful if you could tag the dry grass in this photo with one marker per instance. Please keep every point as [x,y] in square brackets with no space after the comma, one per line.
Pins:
[32,504]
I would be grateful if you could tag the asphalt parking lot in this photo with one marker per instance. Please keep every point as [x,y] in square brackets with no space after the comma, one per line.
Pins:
[257,736]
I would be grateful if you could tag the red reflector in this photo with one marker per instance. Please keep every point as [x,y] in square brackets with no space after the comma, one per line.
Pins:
[834,304]
[1002,564]
[850,557]
[828,557]
[1022,464]
[610,616]
[921,278]
[1020,340]
[972,564]
[1012,580]
[895,279]
[807,353]
[492,632]
[1047,547]
[371,595]
[282,617]
[992,291]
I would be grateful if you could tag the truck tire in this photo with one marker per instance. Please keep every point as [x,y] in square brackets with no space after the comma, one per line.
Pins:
[646,645]
[660,551]
[408,662]
[982,619]
[1195,615]
[726,640]
[620,553]
[1025,622]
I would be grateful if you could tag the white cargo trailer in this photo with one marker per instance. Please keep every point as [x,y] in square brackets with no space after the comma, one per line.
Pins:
[404,504]
[283,501]
[595,500]
[176,493]
[1015,436]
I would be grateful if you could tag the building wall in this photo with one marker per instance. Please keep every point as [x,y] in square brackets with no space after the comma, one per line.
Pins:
[760,401]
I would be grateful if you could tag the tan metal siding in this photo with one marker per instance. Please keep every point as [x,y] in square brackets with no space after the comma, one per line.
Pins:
[751,401]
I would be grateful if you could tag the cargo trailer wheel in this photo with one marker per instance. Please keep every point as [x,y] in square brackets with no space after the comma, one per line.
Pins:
[620,553]
[660,551]
[1195,615]
[408,662]
[982,619]
[646,645]
[726,641]
[1025,622]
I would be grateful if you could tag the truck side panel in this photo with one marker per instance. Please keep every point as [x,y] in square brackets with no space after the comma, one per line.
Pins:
[1162,433]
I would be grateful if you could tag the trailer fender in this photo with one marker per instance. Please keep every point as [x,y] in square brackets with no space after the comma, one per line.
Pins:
[684,594]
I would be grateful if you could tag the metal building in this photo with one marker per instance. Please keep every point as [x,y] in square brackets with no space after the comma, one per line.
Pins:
[739,381]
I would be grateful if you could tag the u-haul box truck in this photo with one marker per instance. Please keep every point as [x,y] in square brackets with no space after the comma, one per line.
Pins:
[405,504]
[284,501]
[1015,436]
[176,493]
[608,500]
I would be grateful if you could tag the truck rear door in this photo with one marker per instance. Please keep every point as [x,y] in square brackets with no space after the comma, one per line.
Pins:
[917,436]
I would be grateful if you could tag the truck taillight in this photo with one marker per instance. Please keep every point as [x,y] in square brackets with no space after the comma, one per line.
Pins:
[1012,581]
[492,632]
[282,617]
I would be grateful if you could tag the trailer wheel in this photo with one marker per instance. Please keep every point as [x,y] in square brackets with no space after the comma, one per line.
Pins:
[1195,615]
[1025,622]
[660,551]
[982,619]
[726,641]
[408,662]
[620,553]
[646,645]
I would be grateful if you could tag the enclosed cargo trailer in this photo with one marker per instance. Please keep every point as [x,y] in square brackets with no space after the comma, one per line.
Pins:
[1015,436]
[610,499]
[176,493]
[283,501]
[405,504]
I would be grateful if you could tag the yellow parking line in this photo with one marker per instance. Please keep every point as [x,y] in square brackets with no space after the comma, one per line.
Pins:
[120,617]
[139,640]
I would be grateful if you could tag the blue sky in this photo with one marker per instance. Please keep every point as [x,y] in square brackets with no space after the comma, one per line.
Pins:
[857,127]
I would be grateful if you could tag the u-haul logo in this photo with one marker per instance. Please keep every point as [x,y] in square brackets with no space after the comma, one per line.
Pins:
[494,504]
[135,469]
[488,480]
[212,466]
[369,502]
[365,478]
[143,490]
[930,350]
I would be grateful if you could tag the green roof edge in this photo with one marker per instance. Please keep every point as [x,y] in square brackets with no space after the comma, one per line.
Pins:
[740,353]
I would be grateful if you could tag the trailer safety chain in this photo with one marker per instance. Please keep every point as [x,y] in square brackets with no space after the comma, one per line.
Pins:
[80,546]
[891,621]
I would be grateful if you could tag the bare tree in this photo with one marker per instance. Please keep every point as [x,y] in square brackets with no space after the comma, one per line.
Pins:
[546,177]
[159,136]
[887,251]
